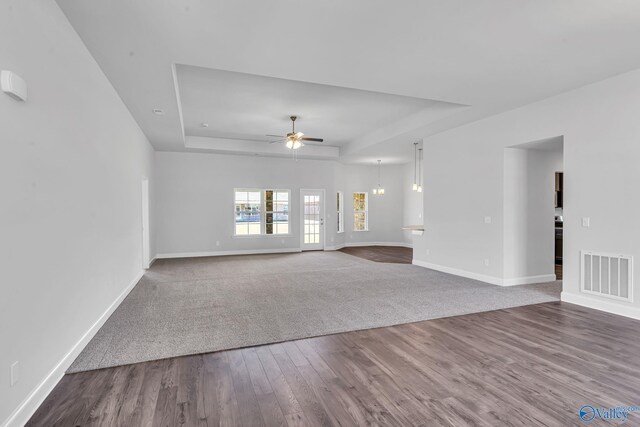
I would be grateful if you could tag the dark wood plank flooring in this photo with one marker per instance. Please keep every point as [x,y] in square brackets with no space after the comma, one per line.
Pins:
[558,271]
[391,254]
[525,366]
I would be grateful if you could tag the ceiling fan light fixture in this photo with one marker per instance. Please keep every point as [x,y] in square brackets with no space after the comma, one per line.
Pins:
[293,140]
[293,143]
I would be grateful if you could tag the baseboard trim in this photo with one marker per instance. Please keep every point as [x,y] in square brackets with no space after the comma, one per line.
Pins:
[272,251]
[596,303]
[485,278]
[360,244]
[528,280]
[32,402]
[457,272]
[226,253]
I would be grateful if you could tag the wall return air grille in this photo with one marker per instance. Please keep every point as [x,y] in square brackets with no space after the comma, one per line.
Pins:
[607,275]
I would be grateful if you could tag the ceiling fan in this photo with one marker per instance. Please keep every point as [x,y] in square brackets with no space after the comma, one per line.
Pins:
[294,139]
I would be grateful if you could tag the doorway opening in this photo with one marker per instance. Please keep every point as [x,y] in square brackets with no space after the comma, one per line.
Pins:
[533,204]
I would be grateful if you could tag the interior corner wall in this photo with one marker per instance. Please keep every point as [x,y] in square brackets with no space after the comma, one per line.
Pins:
[601,133]
[71,168]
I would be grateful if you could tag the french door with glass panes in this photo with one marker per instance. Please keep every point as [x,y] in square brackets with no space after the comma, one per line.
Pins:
[312,220]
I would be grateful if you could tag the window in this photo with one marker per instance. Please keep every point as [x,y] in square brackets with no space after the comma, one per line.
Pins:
[259,212]
[340,209]
[360,211]
[277,211]
[248,214]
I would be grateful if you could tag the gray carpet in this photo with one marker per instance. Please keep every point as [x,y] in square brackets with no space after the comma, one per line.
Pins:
[198,305]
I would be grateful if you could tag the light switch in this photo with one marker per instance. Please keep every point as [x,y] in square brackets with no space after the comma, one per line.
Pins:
[15,373]
[586,221]
[13,85]
[487,220]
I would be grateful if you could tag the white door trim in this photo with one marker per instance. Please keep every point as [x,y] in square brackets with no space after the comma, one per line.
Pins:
[146,235]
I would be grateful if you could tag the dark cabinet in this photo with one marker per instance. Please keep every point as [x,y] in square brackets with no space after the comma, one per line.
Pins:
[558,250]
[559,187]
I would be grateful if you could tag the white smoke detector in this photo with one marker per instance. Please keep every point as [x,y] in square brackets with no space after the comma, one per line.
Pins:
[13,85]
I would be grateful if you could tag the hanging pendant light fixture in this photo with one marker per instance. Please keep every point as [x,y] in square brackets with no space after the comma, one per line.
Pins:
[415,166]
[379,191]
[419,170]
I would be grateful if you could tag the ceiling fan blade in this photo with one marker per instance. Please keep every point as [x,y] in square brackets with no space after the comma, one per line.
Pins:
[312,139]
[277,140]
[277,136]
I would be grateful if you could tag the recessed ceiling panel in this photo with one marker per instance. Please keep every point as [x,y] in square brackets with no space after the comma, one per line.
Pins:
[225,104]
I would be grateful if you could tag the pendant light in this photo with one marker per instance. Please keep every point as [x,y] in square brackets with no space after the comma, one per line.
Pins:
[379,191]
[415,166]
[419,170]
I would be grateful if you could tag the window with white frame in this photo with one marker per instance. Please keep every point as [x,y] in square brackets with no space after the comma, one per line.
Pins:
[340,209]
[248,212]
[261,212]
[361,211]
[276,211]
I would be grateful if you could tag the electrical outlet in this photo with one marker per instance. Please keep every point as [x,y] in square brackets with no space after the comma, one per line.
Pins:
[217,242]
[487,220]
[428,251]
[15,373]
[486,262]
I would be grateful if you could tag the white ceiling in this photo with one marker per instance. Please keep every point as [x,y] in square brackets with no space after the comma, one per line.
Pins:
[491,55]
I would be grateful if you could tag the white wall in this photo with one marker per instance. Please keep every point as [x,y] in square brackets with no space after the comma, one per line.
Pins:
[195,201]
[601,133]
[386,216]
[71,164]
[529,214]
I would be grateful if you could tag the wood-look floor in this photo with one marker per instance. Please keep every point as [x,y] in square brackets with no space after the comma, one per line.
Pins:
[525,366]
[558,269]
[391,254]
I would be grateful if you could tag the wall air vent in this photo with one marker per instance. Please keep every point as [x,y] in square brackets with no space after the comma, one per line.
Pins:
[607,275]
